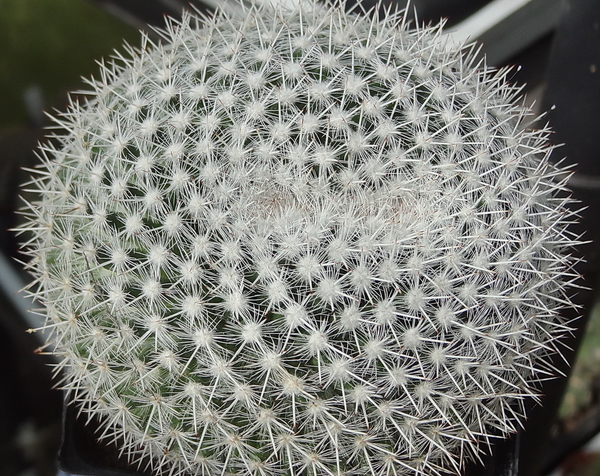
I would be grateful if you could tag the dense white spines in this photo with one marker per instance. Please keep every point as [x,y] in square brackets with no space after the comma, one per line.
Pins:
[301,242]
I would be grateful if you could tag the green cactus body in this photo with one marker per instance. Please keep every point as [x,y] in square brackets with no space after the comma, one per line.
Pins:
[301,242]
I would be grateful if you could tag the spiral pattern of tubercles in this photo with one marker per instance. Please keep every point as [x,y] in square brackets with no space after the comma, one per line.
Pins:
[301,243]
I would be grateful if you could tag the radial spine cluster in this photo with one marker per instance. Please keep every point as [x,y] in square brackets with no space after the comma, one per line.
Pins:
[301,242]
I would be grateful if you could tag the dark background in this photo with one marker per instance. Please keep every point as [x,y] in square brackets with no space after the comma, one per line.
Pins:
[47,45]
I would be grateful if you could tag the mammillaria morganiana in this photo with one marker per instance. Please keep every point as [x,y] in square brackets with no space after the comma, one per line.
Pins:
[301,242]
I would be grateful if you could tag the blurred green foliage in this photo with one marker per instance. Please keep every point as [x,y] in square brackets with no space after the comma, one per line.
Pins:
[585,378]
[50,44]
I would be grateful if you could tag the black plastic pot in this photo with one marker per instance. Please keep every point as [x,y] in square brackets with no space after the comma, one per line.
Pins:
[82,454]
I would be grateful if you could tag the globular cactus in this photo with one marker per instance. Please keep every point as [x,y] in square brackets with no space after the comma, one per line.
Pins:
[301,242]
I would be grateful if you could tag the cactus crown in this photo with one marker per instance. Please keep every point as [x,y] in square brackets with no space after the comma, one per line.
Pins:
[301,242]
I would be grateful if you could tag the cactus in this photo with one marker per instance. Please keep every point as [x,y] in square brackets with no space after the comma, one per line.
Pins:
[301,242]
